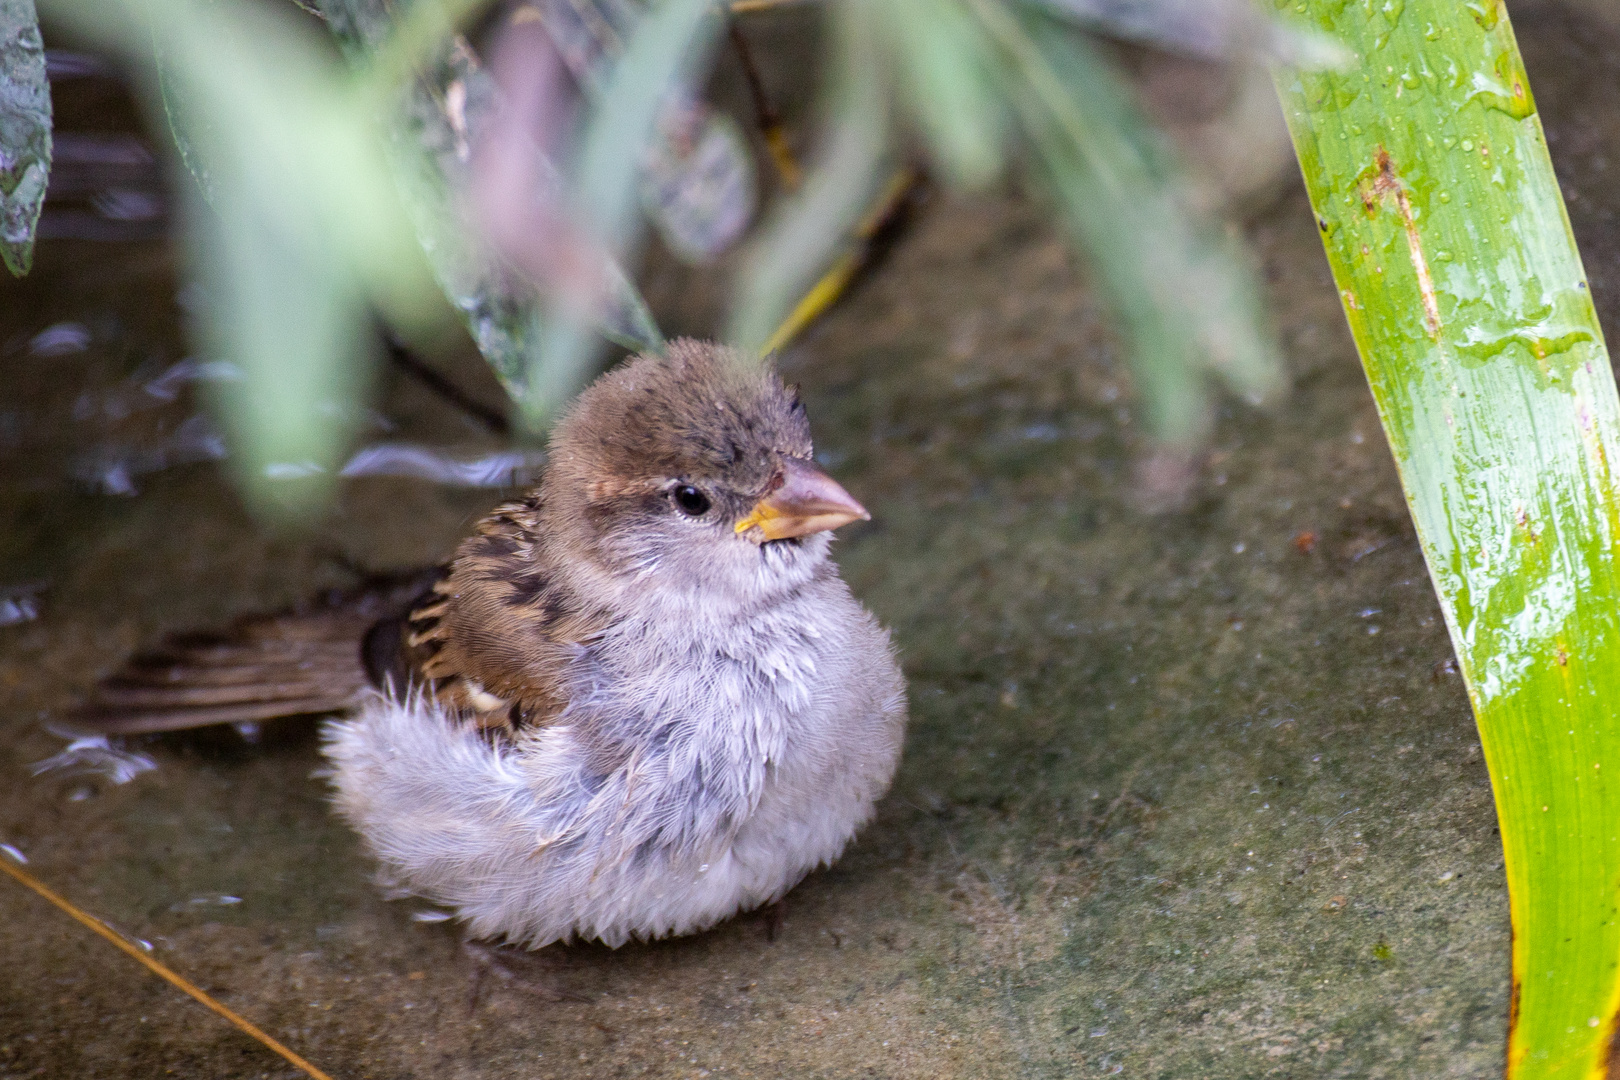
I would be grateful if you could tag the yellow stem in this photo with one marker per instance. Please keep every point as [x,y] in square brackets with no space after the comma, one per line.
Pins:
[155,967]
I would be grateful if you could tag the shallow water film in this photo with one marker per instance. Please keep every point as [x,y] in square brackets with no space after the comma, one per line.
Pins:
[1187,792]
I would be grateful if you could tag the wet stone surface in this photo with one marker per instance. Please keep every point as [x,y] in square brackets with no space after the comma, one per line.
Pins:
[1185,794]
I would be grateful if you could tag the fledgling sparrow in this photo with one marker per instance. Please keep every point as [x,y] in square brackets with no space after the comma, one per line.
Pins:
[637,701]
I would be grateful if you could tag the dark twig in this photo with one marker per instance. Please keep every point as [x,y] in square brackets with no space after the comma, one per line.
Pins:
[770,121]
[475,988]
[775,915]
[407,361]
[747,7]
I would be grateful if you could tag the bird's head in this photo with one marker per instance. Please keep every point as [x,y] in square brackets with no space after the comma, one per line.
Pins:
[694,468]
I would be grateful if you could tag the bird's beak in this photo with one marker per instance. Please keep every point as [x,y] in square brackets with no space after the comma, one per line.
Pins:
[808,501]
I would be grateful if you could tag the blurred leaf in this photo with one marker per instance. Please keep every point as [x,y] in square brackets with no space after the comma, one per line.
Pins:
[1213,29]
[501,307]
[697,183]
[305,237]
[1185,296]
[396,39]
[945,75]
[669,44]
[432,114]
[25,132]
[589,35]
[801,237]
[170,95]
[1188,300]
[362,27]
[697,178]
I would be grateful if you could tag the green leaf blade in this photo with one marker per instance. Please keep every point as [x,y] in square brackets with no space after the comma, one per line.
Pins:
[1442,219]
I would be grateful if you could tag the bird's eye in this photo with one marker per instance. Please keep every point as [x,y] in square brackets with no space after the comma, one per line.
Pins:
[691,501]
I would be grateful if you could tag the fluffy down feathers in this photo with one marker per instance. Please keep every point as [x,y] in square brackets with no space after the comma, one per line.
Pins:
[730,783]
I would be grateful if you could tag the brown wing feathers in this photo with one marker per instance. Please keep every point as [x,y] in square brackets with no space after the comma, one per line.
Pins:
[487,637]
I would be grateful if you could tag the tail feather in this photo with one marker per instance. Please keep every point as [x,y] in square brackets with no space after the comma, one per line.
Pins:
[149,721]
[262,668]
[181,673]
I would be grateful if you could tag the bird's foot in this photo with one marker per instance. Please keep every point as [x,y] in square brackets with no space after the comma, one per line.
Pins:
[775,915]
[531,972]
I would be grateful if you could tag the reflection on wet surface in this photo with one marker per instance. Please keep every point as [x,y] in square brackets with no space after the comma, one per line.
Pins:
[1186,794]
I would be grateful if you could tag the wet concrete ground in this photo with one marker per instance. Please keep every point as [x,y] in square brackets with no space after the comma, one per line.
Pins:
[1187,794]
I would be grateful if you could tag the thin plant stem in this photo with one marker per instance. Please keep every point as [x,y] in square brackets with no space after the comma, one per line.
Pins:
[155,967]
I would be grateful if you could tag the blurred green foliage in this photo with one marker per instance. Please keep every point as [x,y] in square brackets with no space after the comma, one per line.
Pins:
[419,73]
[333,187]
[294,229]
[986,83]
